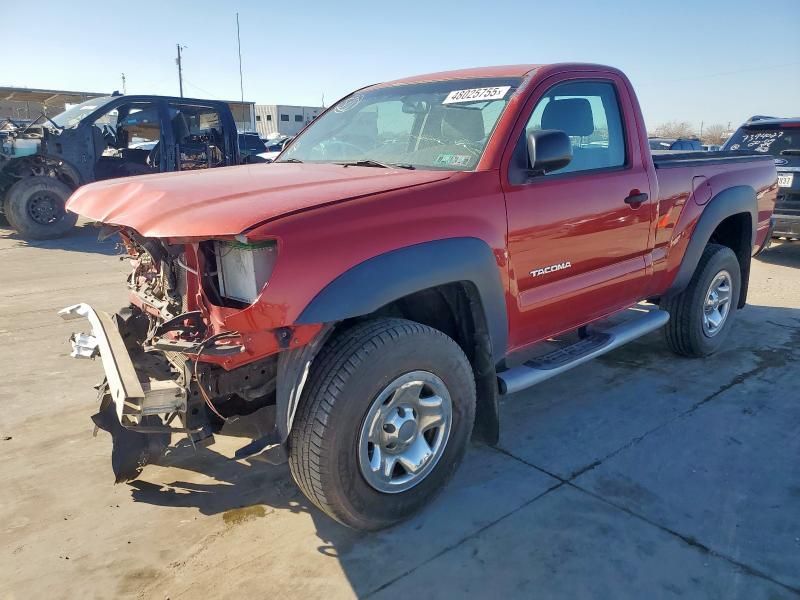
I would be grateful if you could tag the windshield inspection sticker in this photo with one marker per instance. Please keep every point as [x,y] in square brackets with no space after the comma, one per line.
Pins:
[457,160]
[349,103]
[477,94]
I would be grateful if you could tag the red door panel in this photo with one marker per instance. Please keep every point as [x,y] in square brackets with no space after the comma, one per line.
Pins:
[577,250]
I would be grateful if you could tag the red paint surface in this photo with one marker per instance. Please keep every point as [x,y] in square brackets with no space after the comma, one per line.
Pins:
[327,218]
[224,202]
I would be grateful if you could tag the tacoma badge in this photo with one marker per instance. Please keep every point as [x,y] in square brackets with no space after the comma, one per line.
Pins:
[551,269]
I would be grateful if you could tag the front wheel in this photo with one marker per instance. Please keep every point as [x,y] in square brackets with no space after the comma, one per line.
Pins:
[3,219]
[35,208]
[383,423]
[701,315]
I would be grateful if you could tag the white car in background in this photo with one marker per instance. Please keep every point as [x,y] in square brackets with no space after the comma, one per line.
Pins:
[143,145]
[274,147]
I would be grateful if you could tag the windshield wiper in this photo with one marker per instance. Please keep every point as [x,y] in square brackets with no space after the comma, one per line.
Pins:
[289,160]
[368,162]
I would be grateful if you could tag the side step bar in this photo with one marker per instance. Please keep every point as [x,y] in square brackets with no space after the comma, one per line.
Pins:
[598,343]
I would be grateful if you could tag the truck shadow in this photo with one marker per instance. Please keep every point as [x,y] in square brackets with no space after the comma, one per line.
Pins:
[784,254]
[554,427]
[240,492]
[82,238]
[236,484]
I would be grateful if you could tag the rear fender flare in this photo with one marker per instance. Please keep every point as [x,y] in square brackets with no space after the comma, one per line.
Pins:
[732,201]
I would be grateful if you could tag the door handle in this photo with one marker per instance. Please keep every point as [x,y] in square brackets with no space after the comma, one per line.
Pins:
[635,200]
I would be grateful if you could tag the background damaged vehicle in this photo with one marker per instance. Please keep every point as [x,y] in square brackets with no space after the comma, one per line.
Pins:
[423,248]
[779,138]
[41,164]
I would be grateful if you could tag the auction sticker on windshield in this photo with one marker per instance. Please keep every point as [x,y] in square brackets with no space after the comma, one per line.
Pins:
[477,94]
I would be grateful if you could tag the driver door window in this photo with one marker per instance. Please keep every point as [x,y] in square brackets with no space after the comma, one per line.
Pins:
[588,112]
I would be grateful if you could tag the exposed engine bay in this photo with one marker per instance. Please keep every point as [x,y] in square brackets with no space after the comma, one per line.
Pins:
[166,340]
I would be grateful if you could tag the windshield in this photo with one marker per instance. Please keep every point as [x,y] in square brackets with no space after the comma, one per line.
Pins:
[75,114]
[436,125]
[766,140]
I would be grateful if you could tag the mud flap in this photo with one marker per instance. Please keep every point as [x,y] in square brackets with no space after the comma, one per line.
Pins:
[131,450]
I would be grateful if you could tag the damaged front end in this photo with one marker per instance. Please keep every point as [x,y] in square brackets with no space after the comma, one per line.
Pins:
[172,363]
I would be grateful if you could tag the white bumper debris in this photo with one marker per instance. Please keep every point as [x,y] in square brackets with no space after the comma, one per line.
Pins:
[84,346]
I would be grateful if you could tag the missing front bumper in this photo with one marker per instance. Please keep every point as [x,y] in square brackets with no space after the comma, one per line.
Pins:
[135,395]
[143,391]
[135,407]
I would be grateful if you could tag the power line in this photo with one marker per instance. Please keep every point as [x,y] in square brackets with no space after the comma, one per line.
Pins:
[213,96]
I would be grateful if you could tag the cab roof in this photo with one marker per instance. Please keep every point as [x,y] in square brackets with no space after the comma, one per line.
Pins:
[473,73]
[497,72]
[767,122]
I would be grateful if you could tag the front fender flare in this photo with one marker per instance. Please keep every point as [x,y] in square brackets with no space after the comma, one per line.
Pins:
[376,282]
[370,285]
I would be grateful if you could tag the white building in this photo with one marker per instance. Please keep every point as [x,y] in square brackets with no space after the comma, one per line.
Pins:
[282,119]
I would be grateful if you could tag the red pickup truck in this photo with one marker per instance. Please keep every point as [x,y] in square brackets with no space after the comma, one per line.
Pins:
[423,248]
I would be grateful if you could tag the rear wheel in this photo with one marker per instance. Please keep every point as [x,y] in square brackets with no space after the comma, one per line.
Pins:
[34,206]
[701,315]
[384,422]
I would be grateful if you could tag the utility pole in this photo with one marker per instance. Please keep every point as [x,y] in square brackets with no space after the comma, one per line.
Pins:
[180,67]
[701,129]
[239,43]
[124,89]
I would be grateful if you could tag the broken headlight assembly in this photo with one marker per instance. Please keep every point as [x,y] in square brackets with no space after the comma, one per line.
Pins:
[243,269]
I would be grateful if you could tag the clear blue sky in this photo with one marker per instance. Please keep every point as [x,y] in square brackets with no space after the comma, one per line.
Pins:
[703,60]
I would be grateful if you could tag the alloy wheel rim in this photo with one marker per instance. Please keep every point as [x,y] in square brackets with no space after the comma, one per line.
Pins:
[717,304]
[405,432]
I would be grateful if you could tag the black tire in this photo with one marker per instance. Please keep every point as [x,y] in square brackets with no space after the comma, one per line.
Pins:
[3,218]
[684,333]
[35,208]
[345,380]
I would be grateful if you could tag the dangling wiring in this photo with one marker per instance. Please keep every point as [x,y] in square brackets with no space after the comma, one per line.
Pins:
[203,345]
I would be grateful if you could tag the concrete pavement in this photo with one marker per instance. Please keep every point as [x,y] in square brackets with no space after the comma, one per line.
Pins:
[638,475]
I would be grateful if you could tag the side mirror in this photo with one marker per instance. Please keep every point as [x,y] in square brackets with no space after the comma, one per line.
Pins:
[548,150]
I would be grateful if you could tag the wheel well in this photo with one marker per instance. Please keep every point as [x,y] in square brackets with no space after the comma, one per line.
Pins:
[456,310]
[736,232]
[43,165]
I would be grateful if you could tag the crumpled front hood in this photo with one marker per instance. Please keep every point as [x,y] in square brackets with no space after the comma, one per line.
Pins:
[226,201]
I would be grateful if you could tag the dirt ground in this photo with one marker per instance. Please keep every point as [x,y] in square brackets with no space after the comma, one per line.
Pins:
[640,475]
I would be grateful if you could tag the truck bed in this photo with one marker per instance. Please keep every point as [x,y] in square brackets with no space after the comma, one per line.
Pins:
[667,159]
